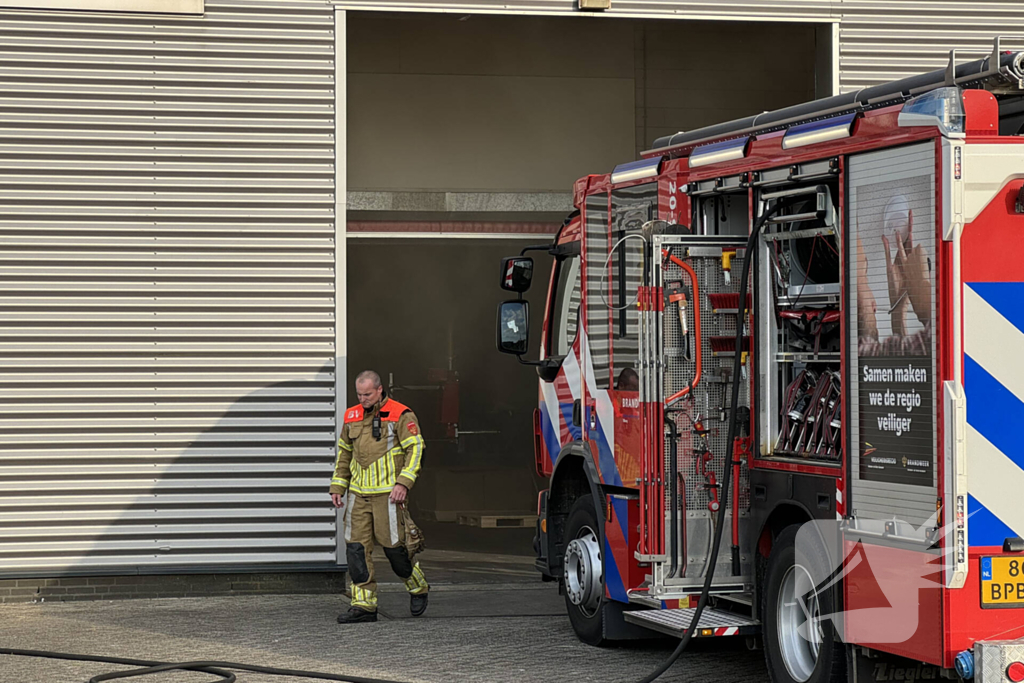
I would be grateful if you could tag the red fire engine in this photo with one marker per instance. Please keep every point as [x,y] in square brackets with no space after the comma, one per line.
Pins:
[797,338]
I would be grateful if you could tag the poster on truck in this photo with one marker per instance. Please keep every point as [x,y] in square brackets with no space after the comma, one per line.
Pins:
[892,248]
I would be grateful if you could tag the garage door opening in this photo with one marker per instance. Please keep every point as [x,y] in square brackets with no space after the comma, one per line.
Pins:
[478,121]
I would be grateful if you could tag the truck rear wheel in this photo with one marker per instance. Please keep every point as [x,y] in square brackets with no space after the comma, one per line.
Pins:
[583,572]
[798,646]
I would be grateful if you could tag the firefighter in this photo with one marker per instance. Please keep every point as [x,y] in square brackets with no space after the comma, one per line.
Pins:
[379,454]
[628,380]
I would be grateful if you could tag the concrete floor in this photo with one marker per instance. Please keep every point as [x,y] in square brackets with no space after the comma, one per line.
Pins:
[490,619]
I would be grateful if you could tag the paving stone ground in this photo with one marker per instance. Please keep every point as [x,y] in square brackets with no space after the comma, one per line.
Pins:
[505,627]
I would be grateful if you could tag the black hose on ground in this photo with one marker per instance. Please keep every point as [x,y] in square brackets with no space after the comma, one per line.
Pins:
[213,668]
[741,313]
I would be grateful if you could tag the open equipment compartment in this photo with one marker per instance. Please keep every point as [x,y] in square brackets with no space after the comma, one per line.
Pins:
[799,266]
[698,341]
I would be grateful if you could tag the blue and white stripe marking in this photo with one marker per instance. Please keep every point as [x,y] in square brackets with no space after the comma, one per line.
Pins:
[994,384]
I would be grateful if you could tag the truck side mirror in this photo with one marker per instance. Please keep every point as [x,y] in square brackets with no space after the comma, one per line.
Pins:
[516,273]
[514,327]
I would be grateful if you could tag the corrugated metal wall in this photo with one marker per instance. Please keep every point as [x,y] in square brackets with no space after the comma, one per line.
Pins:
[883,40]
[167,311]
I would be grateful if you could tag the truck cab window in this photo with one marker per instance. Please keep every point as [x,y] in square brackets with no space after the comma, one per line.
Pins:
[565,311]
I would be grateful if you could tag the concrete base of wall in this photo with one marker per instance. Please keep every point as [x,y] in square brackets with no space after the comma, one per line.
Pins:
[175,586]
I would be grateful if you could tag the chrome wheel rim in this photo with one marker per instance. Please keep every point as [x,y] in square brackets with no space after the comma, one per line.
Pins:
[584,572]
[799,623]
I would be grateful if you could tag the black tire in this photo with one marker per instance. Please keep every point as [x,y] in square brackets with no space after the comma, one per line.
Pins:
[589,628]
[830,666]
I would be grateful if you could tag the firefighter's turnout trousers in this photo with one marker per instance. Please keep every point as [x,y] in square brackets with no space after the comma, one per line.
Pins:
[369,518]
[377,449]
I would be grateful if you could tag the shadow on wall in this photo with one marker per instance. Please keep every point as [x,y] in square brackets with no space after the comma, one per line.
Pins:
[249,491]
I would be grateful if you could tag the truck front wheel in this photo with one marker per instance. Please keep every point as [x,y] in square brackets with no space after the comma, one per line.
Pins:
[800,643]
[583,572]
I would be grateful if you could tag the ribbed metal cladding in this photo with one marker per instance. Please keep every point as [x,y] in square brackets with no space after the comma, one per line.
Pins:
[885,40]
[167,311]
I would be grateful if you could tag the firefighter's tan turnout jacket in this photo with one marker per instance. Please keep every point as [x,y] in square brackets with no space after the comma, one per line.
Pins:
[367,465]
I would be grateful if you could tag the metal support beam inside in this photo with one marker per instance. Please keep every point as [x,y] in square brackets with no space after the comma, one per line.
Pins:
[458,206]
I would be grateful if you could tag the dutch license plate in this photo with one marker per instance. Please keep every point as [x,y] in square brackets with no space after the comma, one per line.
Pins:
[1002,582]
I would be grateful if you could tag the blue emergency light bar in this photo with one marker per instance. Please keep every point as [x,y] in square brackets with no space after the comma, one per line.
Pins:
[636,170]
[718,152]
[835,128]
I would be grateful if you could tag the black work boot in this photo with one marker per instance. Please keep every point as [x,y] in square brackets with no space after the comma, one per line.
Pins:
[356,616]
[418,604]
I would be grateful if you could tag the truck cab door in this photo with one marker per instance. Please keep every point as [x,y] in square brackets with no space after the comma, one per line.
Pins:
[613,257]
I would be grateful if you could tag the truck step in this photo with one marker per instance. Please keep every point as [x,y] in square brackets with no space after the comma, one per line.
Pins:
[728,591]
[641,597]
[713,622]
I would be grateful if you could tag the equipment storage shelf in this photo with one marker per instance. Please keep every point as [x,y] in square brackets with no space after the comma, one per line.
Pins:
[798,299]
[787,357]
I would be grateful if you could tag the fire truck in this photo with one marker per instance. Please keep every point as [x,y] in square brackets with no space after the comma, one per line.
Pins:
[781,377]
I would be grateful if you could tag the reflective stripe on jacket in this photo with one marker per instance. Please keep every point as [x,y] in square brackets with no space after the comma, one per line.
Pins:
[369,465]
